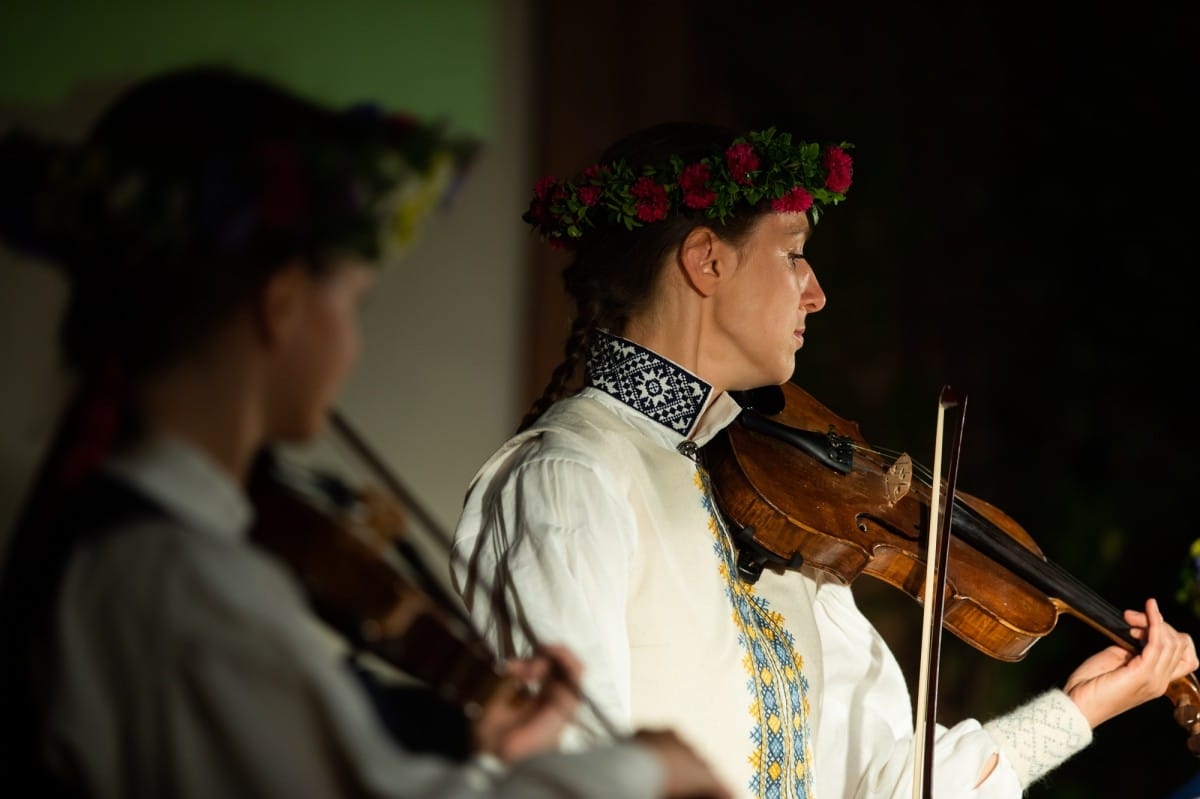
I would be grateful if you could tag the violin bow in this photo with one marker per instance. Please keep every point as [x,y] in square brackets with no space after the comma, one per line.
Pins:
[935,594]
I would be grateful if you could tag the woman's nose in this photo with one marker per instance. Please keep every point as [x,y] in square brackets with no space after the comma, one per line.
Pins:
[812,296]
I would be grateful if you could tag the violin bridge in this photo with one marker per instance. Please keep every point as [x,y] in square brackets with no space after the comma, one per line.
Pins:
[898,478]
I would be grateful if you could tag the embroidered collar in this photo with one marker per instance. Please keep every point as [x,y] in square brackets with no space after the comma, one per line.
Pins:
[647,382]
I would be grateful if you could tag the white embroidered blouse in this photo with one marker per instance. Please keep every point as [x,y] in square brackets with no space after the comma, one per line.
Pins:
[594,528]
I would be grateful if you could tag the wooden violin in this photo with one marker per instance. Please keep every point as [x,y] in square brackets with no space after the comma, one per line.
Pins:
[367,581]
[800,486]
[348,549]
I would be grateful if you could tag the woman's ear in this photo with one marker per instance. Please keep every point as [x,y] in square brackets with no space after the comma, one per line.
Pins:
[700,259]
[279,306]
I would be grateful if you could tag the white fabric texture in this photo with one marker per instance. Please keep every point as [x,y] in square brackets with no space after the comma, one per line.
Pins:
[593,530]
[186,668]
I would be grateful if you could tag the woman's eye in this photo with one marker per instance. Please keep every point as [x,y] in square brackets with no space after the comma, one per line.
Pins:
[794,257]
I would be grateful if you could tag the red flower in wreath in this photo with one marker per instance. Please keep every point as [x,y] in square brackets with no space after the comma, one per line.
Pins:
[542,188]
[796,201]
[652,202]
[693,180]
[742,160]
[281,203]
[839,169]
[539,207]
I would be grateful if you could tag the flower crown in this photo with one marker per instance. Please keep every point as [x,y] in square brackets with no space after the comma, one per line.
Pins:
[365,191]
[416,168]
[762,166]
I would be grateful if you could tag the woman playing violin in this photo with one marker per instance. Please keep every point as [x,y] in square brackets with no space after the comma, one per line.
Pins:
[219,234]
[690,281]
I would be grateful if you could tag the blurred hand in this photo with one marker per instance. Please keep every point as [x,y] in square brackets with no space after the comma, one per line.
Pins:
[384,517]
[530,714]
[1115,680]
[687,776]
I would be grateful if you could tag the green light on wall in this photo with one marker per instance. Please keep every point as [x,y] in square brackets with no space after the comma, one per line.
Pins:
[432,57]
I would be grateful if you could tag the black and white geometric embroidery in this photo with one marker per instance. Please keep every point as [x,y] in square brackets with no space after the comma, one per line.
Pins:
[646,382]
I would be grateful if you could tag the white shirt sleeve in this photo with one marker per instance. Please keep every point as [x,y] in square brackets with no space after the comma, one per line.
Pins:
[186,669]
[545,546]
[866,723]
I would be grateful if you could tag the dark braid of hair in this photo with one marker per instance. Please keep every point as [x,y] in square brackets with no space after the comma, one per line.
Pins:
[615,269]
[579,341]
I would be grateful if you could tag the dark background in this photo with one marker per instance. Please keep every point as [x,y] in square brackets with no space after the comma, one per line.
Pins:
[1020,227]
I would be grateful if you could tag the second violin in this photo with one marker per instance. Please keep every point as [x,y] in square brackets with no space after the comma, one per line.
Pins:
[345,547]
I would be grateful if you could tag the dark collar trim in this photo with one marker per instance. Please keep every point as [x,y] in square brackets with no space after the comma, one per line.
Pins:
[647,382]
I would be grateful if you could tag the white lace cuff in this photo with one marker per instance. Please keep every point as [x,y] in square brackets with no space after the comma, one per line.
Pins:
[1041,735]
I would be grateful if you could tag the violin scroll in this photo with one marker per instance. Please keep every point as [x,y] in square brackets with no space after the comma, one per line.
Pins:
[1185,696]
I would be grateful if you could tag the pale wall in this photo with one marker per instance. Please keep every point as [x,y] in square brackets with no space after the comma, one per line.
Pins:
[437,387]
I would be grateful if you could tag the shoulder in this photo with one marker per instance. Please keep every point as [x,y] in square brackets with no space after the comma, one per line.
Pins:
[575,462]
[164,578]
[574,433]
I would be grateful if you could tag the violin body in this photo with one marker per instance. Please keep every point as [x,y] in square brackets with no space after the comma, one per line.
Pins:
[341,545]
[872,520]
[799,487]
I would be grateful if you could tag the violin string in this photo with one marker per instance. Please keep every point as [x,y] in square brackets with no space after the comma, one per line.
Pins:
[1100,611]
[356,443]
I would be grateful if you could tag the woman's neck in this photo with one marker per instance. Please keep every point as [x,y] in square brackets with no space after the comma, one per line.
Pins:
[680,332]
[210,403]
